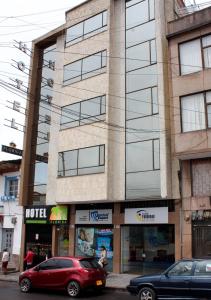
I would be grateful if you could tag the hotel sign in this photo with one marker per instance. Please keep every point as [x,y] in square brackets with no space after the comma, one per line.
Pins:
[149,215]
[46,214]
[94,216]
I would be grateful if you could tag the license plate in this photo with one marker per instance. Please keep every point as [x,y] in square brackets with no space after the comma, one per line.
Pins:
[99,282]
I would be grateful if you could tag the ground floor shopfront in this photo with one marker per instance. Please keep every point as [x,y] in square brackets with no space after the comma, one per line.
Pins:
[137,238]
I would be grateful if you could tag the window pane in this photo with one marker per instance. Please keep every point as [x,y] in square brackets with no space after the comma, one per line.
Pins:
[137,57]
[105,18]
[156,154]
[90,108]
[193,112]
[91,170]
[207,57]
[132,2]
[102,155]
[209,115]
[208,97]
[41,173]
[67,161]
[103,104]
[139,156]
[153,52]
[65,263]
[70,113]
[91,63]
[72,70]
[104,59]
[93,23]
[181,269]
[155,107]
[137,14]
[139,104]
[143,129]
[190,57]
[203,268]
[88,157]
[142,78]
[143,184]
[74,32]
[140,34]
[152,9]
[206,41]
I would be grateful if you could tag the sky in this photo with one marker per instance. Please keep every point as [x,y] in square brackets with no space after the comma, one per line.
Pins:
[24,20]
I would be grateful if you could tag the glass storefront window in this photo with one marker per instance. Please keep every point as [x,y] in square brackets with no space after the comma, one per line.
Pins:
[63,240]
[147,249]
[89,241]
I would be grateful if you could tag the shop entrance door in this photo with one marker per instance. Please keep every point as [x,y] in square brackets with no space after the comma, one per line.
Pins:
[7,239]
[201,236]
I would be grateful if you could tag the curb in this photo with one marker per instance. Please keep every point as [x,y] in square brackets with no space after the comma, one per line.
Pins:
[116,288]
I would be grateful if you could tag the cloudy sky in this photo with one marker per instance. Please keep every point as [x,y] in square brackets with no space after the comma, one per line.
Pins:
[23,20]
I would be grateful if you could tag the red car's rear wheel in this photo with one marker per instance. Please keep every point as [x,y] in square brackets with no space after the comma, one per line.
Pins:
[73,288]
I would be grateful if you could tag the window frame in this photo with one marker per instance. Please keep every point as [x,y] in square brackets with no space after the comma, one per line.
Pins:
[81,75]
[87,35]
[8,180]
[153,156]
[81,120]
[202,54]
[101,163]
[205,111]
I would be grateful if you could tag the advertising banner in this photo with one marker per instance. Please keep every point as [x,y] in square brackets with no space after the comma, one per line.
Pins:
[95,216]
[149,215]
[46,214]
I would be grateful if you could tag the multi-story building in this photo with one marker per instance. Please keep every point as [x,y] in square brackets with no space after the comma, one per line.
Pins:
[190,68]
[98,137]
[11,213]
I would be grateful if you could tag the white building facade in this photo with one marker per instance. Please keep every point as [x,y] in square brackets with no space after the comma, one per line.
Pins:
[11,213]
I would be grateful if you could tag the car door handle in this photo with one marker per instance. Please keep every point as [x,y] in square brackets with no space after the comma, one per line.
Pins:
[187,281]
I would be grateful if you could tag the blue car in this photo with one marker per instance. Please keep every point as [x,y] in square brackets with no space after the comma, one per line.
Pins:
[187,278]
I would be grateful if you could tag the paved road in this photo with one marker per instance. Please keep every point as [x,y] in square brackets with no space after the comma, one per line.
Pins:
[10,290]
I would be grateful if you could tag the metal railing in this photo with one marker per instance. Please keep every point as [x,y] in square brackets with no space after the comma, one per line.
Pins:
[189,9]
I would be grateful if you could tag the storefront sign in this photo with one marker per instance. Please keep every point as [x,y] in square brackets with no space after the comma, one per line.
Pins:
[95,216]
[153,215]
[46,214]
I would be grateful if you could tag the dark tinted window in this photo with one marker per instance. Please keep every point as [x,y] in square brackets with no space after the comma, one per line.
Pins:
[49,265]
[65,263]
[89,264]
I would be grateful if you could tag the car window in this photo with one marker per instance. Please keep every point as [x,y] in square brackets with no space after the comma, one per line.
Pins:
[89,264]
[48,265]
[183,268]
[65,263]
[203,268]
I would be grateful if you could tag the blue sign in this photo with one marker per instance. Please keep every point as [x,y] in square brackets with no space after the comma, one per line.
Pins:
[7,198]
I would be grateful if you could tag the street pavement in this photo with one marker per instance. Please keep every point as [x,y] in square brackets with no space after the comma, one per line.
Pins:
[114,281]
[10,290]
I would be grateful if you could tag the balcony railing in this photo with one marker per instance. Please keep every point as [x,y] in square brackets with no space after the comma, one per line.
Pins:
[189,9]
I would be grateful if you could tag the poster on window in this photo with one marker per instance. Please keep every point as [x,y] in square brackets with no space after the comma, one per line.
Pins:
[90,239]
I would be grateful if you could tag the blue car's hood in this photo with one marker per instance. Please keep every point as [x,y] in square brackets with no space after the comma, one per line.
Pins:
[145,278]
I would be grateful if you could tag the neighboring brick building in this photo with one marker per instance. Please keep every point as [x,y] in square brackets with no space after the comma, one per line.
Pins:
[190,67]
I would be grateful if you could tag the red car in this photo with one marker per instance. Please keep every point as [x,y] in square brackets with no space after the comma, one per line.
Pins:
[60,273]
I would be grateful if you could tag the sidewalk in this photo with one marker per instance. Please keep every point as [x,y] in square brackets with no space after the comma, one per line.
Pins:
[114,281]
